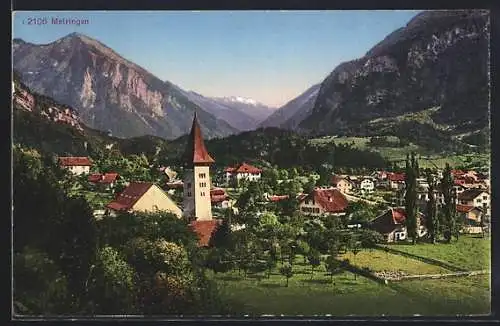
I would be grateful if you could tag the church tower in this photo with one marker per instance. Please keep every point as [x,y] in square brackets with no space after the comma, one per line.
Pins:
[197,161]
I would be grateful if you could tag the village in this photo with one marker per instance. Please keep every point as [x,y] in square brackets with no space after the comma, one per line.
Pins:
[201,198]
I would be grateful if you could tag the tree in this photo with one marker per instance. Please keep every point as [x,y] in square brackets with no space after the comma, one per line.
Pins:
[314,261]
[432,220]
[449,210]
[39,284]
[370,238]
[333,266]
[286,271]
[271,262]
[309,185]
[112,285]
[354,247]
[284,175]
[48,219]
[303,248]
[222,235]
[411,197]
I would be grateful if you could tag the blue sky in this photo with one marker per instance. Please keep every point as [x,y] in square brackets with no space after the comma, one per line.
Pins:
[270,56]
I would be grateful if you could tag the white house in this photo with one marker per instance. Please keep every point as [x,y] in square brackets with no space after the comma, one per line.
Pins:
[242,171]
[367,185]
[477,198]
[76,165]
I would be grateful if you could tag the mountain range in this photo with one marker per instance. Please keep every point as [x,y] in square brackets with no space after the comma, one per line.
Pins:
[438,61]
[428,79]
[110,92]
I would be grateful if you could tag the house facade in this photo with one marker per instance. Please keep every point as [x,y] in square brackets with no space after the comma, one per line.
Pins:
[470,215]
[144,197]
[104,180]
[342,184]
[243,171]
[366,185]
[219,198]
[476,198]
[76,165]
[396,181]
[391,224]
[323,201]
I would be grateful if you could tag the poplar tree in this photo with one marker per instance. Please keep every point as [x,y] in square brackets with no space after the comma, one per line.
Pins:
[410,197]
[449,227]
[432,220]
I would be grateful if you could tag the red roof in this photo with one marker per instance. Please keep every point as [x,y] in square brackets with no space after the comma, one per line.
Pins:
[457,172]
[466,179]
[217,192]
[464,208]
[389,220]
[331,200]
[109,177]
[396,177]
[106,178]
[196,152]
[75,161]
[129,196]
[398,215]
[204,230]
[276,198]
[95,177]
[218,195]
[243,168]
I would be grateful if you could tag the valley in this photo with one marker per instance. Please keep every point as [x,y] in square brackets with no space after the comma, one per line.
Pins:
[366,194]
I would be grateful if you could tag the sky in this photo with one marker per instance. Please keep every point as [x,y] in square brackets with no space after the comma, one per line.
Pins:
[269,56]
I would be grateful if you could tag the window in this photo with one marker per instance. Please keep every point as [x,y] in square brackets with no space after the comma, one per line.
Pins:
[189,184]
[202,175]
[202,193]
[189,193]
[485,197]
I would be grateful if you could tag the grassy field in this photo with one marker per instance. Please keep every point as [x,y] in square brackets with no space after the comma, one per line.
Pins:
[470,252]
[377,260]
[361,297]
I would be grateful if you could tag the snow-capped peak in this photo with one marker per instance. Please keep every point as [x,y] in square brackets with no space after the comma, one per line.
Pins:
[240,99]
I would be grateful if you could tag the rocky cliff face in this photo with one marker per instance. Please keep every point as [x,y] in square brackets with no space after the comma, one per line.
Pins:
[24,99]
[110,92]
[439,60]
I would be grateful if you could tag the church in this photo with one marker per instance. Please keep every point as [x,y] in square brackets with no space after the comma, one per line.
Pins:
[197,206]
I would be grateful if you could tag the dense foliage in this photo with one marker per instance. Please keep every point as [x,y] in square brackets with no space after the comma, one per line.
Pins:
[67,262]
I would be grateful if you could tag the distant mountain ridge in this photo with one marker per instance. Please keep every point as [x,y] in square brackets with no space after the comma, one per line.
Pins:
[238,119]
[292,113]
[109,91]
[438,60]
[251,107]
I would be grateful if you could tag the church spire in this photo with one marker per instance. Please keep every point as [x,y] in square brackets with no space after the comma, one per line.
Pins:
[196,152]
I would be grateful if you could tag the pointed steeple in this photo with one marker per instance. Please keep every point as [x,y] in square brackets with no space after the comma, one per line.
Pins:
[196,152]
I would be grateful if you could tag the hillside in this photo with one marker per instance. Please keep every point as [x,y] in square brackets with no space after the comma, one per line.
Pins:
[438,60]
[110,92]
[290,115]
